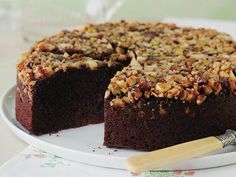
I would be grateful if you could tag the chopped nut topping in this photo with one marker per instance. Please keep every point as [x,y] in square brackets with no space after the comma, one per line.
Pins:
[162,87]
[181,63]
[118,102]
[107,94]
[207,90]
[137,94]
[172,92]
[201,99]
[166,61]
[132,80]
[121,84]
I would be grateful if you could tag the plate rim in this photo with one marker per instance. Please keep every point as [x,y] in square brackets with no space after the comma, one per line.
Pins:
[51,148]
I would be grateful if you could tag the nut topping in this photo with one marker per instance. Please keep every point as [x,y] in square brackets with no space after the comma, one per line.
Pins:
[162,87]
[200,99]
[166,61]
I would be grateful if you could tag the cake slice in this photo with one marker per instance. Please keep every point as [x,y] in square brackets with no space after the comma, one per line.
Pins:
[61,82]
[146,121]
[179,88]
[71,97]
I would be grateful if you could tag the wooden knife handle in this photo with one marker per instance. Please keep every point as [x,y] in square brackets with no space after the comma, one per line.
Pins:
[181,152]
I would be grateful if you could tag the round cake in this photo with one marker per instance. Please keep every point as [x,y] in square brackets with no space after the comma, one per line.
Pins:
[154,85]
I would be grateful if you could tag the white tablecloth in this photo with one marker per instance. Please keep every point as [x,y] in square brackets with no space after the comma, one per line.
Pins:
[33,162]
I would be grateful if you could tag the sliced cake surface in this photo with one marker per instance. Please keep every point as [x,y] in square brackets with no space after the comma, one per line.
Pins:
[61,81]
[163,84]
[180,86]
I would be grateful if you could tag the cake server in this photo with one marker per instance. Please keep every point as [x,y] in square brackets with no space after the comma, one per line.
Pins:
[178,153]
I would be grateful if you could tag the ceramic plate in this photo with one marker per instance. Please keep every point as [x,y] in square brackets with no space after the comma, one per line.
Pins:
[85,144]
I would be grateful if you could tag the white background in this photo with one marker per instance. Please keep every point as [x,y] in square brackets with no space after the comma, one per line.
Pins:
[11,46]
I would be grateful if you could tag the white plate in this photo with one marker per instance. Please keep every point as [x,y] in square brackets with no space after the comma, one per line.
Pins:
[85,144]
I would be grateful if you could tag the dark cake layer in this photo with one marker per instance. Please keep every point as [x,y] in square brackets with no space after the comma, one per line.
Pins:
[23,107]
[157,123]
[67,99]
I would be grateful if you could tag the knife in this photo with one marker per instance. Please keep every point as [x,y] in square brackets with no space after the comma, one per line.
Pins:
[178,153]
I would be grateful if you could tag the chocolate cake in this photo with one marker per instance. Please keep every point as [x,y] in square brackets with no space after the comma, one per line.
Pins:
[163,84]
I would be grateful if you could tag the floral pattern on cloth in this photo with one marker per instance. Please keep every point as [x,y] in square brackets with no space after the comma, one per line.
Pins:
[40,163]
[176,173]
[49,160]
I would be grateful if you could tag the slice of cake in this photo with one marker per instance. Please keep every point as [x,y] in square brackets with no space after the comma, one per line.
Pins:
[164,84]
[179,87]
[61,82]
